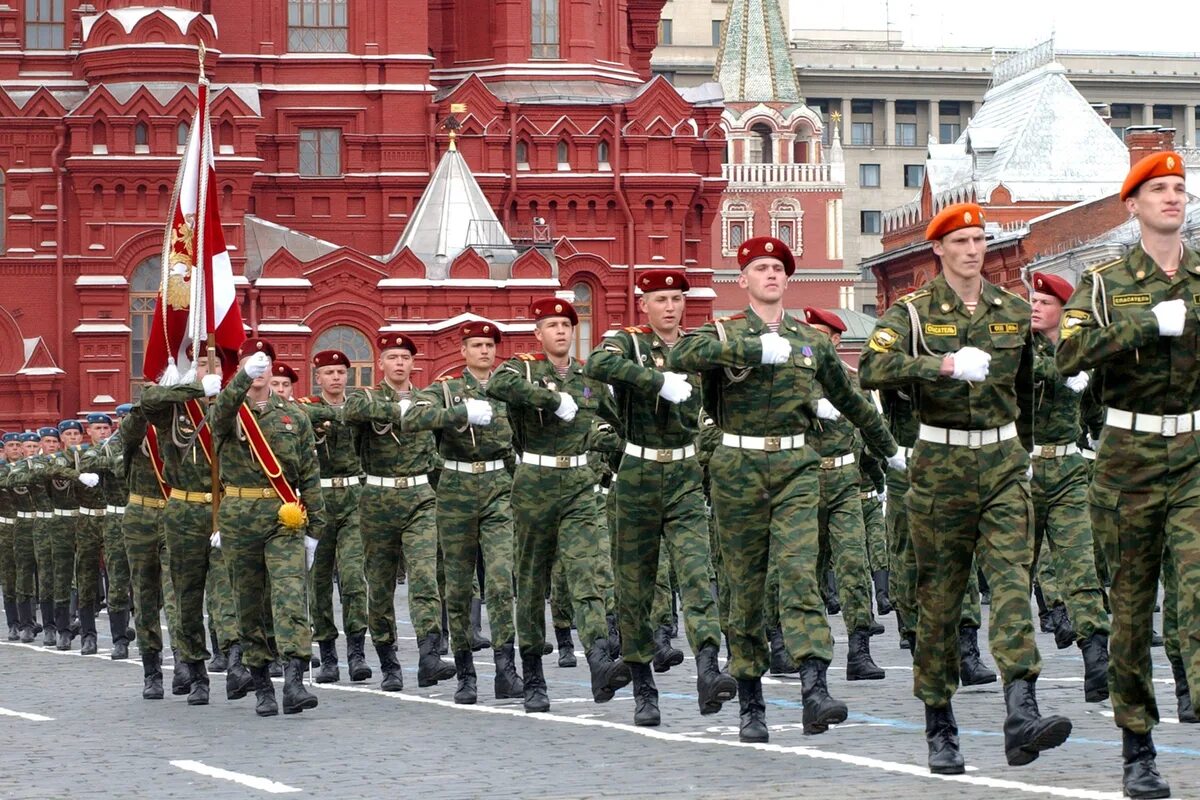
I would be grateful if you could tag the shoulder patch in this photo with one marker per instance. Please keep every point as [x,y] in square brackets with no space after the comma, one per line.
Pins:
[1072,318]
[883,340]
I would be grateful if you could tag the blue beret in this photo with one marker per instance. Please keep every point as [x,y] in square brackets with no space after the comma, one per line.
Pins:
[47,431]
[99,416]
[69,425]
[29,436]
[124,409]
[12,437]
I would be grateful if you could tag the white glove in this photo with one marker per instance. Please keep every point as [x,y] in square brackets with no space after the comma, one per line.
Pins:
[310,551]
[211,384]
[675,388]
[89,479]
[1077,383]
[479,412]
[827,410]
[775,348]
[897,461]
[1093,444]
[567,407]
[1171,315]
[257,365]
[971,364]
[405,405]
[215,539]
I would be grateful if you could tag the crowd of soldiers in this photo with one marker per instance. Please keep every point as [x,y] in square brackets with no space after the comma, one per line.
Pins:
[988,441]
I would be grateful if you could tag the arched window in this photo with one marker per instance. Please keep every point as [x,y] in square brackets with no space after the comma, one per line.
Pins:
[761,147]
[357,348]
[143,293]
[182,131]
[602,156]
[522,154]
[583,331]
[141,138]
[225,137]
[564,155]
[99,137]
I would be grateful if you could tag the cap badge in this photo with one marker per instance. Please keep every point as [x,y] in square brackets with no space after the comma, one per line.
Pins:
[558,307]
[769,247]
[966,216]
[1170,162]
[670,280]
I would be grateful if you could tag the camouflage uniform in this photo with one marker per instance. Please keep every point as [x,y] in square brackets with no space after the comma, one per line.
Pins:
[116,560]
[871,485]
[23,488]
[75,542]
[8,563]
[34,544]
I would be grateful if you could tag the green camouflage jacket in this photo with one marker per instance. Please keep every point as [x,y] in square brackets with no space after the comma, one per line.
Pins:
[1056,407]
[386,447]
[184,462]
[442,409]
[337,440]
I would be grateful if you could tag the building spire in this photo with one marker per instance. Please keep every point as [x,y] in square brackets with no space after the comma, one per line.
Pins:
[753,63]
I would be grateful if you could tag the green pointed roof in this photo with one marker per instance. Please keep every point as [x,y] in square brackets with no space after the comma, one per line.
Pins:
[753,63]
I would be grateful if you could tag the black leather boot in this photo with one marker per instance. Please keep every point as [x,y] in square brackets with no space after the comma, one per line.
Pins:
[1183,697]
[430,667]
[536,699]
[941,734]
[198,693]
[389,665]
[152,677]
[820,710]
[859,664]
[478,640]
[753,721]
[356,660]
[609,672]
[971,671]
[220,660]
[62,621]
[464,668]
[883,601]
[566,647]
[665,655]
[49,630]
[118,623]
[264,692]
[908,641]
[238,680]
[87,630]
[645,696]
[296,697]
[25,620]
[1095,667]
[713,687]
[1026,732]
[275,668]
[181,676]
[1064,631]
[12,618]
[1141,773]
[614,635]
[508,685]
[781,659]
[329,672]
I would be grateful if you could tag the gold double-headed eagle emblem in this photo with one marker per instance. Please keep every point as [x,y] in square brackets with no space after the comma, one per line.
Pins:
[183,251]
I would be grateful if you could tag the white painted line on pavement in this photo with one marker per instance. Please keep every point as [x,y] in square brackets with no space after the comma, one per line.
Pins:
[1104,712]
[254,782]
[8,712]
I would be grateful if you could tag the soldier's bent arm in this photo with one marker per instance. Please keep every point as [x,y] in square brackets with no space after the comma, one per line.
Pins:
[309,480]
[700,350]
[319,413]
[886,362]
[159,401]
[225,410]
[847,399]
[612,362]
[368,406]
[429,412]
[509,385]
[1084,343]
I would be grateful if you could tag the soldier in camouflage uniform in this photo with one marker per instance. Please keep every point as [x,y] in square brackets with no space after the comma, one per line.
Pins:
[762,372]
[397,510]
[23,489]
[59,480]
[8,525]
[659,494]
[872,488]
[43,535]
[1133,323]
[961,348]
[552,407]
[474,514]
[113,496]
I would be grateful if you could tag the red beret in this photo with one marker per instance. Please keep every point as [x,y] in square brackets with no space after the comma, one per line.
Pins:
[657,280]
[386,341]
[480,329]
[1052,285]
[1155,165]
[330,358]
[553,307]
[819,316]
[282,370]
[252,346]
[766,247]
[952,218]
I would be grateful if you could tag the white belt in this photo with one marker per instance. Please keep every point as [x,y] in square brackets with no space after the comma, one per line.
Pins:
[92,512]
[1090,455]
[663,456]
[66,512]
[1169,425]
[557,462]
[115,509]
[340,482]
[43,514]
[397,483]
[971,439]
[1055,450]
[475,467]
[26,515]
[602,489]
[837,461]
[771,444]
[7,521]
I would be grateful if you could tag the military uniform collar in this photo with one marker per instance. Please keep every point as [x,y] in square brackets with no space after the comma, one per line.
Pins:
[470,379]
[1142,265]
[945,299]
[758,326]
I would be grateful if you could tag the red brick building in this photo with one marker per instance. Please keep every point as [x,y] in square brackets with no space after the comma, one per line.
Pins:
[330,119]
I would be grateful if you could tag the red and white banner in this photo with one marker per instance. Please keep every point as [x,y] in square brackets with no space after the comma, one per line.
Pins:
[197,296]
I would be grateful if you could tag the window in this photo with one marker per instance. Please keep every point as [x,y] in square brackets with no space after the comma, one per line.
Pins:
[948,108]
[871,221]
[1163,113]
[357,348]
[869,309]
[862,106]
[545,29]
[317,26]
[914,175]
[868,176]
[1119,131]
[762,150]
[1122,111]
[737,234]
[602,157]
[522,154]
[320,152]
[948,132]
[583,331]
[664,31]
[564,156]
[784,233]
[182,131]
[45,24]
[717,27]
[143,294]
[862,133]
[141,138]
[906,107]
[906,134]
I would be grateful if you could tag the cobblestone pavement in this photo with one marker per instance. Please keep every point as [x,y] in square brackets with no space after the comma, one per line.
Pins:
[77,727]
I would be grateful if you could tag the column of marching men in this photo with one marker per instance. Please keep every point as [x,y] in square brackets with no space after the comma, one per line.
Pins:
[740,471]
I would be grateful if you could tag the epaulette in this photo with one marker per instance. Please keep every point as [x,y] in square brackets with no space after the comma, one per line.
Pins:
[531,356]
[443,379]
[638,329]
[1104,266]
[730,319]
[908,298]
[308,399]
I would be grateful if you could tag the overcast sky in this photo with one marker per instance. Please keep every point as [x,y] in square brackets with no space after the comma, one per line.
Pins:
[1076,24]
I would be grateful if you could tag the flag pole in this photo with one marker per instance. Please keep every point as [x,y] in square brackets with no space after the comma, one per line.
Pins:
[214,365]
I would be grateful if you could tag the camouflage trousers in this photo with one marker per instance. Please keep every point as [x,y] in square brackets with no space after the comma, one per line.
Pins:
[966,503]
[554,516]
[146,549]
[62,554]
[89,550]
[24,560]
[717,576]
[219,600]
[606,525]
[340,549]
[660,509]
[1061,519]
[116,563]
[877,543]
[1046,576]
[474,518]
[766,506]
[843,540]
[400,524]
[43,553]
[187,527]
[8,561]
[1177,645]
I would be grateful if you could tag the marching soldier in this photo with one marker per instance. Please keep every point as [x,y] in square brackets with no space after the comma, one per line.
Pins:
[24,488]
[1133,323]
[107,465]
[659,494]
[763,371]
[75,556]
[962,347]
[872,488]
[43,533]
[8,525]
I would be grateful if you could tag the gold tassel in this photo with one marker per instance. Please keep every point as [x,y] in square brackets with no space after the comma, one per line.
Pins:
[293,515]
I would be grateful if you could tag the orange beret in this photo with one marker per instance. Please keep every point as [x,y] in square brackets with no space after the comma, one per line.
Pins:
[819,316]
[480,330]
[282,370]
[252,346]
[658,280]
[1052,285]
[387,341]
[1155,165]
[553,307]
[330,358]
[953,218]
[766,247]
